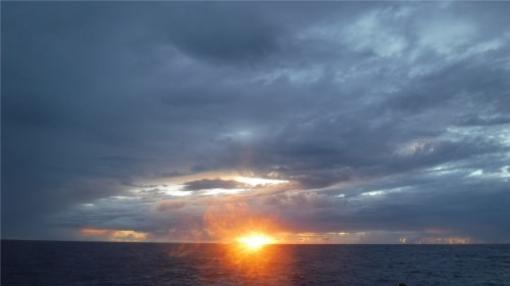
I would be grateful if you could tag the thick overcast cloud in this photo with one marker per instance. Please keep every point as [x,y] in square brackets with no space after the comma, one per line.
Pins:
[345,122]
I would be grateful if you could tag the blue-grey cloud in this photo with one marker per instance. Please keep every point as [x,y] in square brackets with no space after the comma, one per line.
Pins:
[361,117]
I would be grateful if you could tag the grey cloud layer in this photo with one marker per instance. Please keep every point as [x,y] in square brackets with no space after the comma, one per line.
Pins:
[341,98]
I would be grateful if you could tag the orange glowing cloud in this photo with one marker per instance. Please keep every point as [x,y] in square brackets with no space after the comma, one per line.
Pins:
[113,234]
[229,221]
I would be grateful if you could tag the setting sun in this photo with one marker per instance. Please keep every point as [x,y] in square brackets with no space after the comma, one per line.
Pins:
[255,241]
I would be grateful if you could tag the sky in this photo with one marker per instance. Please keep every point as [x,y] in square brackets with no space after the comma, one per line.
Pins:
[371,122]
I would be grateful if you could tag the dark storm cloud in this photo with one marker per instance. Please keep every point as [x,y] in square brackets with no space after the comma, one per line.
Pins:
[102,101]
[205,184]
[223,33]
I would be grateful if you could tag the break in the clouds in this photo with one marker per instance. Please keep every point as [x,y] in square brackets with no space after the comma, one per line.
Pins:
[337,122]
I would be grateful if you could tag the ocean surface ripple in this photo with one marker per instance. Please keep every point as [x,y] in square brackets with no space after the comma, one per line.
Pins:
[98,263]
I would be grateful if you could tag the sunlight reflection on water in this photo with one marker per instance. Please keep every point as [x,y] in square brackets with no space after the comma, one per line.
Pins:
[233,264]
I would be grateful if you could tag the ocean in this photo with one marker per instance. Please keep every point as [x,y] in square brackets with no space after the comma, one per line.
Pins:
[102,263]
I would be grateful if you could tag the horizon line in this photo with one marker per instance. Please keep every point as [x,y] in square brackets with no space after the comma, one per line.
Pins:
[227,243]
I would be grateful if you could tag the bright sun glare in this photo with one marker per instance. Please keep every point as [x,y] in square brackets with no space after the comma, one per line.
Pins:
[255,241]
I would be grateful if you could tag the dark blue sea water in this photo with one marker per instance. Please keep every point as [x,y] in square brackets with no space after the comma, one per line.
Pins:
[95,263]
